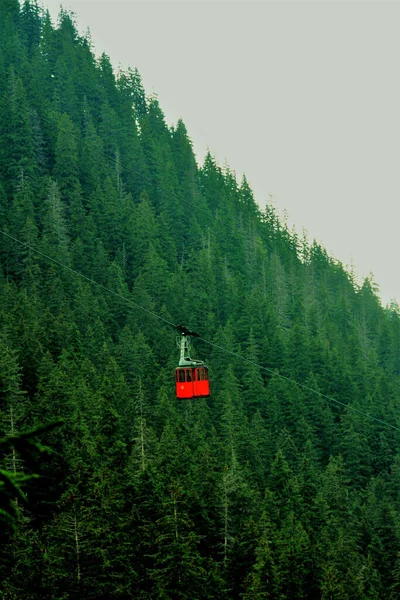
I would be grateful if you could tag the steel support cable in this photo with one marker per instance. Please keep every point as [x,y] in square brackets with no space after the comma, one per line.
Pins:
[212,344]
[301,385]
[89,279]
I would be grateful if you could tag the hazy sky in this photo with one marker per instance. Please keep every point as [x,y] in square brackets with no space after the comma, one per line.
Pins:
[303,97]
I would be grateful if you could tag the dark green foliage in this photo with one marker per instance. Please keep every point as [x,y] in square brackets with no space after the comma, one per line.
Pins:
[270,488]
[18,449]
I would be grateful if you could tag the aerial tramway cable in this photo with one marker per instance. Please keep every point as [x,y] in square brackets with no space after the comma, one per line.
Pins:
[89,279]
[212,344]
[132,303]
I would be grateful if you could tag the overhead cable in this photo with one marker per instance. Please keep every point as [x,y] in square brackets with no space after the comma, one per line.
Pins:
[221,348]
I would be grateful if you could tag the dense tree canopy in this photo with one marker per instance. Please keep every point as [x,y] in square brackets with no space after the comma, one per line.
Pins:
[268,489]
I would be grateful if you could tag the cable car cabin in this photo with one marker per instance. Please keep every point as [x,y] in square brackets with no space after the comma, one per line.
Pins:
[192,382]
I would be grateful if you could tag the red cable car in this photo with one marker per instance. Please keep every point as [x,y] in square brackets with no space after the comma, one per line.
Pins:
[192,382]
[191,377]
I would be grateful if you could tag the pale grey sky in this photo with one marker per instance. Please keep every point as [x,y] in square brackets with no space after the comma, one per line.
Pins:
[303,97]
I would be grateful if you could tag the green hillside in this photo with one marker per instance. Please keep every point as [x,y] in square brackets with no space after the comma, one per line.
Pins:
[285,483]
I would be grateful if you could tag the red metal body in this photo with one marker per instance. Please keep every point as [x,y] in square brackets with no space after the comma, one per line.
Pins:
[192,382]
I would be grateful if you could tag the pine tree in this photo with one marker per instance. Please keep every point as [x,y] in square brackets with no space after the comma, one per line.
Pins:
[19,158]
[179,569]
[31,25]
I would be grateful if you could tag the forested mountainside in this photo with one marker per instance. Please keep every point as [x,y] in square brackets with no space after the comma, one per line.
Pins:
[285,483]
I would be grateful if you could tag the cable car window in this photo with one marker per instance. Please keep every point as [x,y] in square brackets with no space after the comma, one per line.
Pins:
[200,374]
[188,375]
[181,375]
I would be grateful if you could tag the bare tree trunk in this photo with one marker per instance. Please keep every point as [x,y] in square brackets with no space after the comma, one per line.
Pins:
[78,575]
[226,520]
[176,517]
[142,451]
[14,454]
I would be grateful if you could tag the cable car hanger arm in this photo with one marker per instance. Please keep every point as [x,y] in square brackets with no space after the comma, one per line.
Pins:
[183,343]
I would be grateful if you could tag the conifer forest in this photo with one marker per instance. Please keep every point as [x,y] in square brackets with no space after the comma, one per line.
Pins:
[285,482]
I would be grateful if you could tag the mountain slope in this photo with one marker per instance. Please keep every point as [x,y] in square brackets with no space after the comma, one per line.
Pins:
[268,489]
